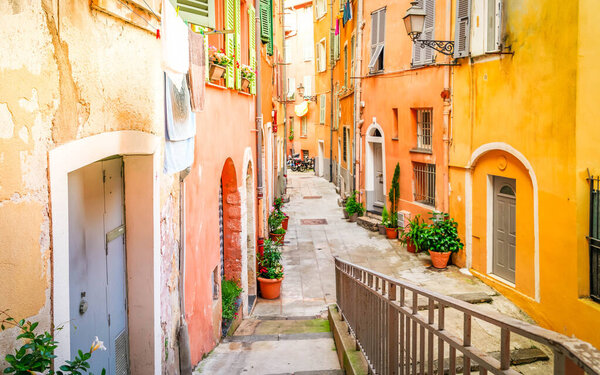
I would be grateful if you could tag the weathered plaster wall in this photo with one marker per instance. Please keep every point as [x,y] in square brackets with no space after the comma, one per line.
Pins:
[70,72]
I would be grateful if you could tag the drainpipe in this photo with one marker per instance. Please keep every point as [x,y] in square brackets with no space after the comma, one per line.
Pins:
[285,84]
[258,114]
[447,111]
[331,32]
[357,91]
[185,357]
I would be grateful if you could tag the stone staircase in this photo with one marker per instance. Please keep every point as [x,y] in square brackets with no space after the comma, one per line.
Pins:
[370,221]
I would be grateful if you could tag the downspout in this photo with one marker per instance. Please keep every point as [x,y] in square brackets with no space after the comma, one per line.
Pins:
[447,111]
[357,92]
[258,113]
[331,53]
[185,356]
[285,94]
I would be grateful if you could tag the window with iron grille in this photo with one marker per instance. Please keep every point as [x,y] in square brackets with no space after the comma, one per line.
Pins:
[345,144]
[424,183]
[594,238]
[424,127]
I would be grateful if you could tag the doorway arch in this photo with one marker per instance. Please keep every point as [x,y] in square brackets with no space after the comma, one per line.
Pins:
[231,224]
[375,176]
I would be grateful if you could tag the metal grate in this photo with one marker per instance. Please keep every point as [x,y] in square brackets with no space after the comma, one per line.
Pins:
[594,238]
[424,180]
[312,197]
[424,120]
[122,353]
[313,221]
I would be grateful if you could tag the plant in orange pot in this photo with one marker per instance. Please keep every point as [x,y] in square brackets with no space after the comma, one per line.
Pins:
[414,235]
[270,270]
[391,229]
[278,207]
[441,238]
[276,231]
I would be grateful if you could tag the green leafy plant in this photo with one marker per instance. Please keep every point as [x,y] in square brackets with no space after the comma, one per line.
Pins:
[278,204]
[417,232]
[353,206]
[276,218]
[35,356]
[269,263]
[385,217]
[230,291]
[394,197]
[442,235]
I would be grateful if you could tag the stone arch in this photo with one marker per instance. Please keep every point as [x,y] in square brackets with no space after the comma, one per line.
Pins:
[478,155]
[232,225]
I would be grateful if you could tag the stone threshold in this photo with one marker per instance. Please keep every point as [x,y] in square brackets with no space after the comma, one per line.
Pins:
[280,337]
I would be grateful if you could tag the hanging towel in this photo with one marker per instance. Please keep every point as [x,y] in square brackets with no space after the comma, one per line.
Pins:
[337,27]
[179,155]
[197,73]
[181,122]
[174,43]
[347,16]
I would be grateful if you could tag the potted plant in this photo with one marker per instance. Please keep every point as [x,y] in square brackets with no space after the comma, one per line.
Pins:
[270,270]
[230,306]
[247,74]
[218,62]
[353,208]
[391,230]
[276,231]
[415,234]
[277,206]
[385,219]
[441,238]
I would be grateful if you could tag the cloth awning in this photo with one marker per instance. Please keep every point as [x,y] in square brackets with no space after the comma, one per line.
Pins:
[301,109]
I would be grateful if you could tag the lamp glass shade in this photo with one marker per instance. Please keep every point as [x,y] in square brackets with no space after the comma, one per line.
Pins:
[414,20]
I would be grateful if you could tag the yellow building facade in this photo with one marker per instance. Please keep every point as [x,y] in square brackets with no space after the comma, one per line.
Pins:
[522,138]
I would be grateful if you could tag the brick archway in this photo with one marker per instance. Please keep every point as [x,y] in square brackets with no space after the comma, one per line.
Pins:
[232,224]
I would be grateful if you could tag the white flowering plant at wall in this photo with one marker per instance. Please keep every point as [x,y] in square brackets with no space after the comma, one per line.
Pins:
[36,354]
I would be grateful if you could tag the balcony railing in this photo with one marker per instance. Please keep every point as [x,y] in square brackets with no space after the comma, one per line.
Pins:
[401,329]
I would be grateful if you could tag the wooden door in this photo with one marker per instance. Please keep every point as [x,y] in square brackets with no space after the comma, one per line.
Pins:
[504,217]
[378,175]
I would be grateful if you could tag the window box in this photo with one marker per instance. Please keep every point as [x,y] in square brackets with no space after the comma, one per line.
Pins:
[216,72]
[245,83]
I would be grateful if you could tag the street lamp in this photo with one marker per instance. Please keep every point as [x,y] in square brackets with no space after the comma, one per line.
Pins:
[414,21]
[301,90]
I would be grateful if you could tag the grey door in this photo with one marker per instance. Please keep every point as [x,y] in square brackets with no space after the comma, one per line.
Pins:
[378,177]
[97,264]
[504,228]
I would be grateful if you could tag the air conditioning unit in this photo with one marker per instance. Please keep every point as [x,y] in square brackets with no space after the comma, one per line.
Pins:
[403,219]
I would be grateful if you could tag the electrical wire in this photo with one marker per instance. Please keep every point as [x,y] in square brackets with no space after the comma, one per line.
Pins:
[137,14]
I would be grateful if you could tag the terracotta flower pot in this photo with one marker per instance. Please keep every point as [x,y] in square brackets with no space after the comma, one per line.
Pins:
[346,216]
[439,260]
[245,83]
[391,233]
[270,288]
[216,72]
[410,246]
[352,218]
[277,237]
[284,223]
[381,228]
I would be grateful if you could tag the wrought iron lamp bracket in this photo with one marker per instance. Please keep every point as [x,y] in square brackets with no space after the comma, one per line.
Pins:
[445,47]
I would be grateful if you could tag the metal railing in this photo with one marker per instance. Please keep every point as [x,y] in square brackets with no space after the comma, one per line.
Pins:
[398,333]
[594,238]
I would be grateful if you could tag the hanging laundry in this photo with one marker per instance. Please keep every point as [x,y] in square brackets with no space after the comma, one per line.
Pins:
[174,43]
[180,127]
[337,27]
[347,12]
[197,73]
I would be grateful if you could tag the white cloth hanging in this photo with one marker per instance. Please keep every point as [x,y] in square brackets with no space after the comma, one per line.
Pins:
[175,44]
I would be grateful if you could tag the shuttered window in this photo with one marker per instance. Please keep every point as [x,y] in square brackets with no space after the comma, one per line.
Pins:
[198,12]
[377,40]
[494,26]
[346,66]
[461,35]
[252,44]
[321,58]
[345,144]
[307,85]
[322,108]
[238,45]
[230,41]
[423,56]
[266,24]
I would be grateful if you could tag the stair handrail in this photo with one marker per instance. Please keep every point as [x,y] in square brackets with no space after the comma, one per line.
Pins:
[582,354]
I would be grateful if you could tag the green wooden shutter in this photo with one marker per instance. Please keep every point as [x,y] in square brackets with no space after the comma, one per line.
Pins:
[230,41]
[266,24]
[252,44]
[238,45]
[271,40]
[198,12]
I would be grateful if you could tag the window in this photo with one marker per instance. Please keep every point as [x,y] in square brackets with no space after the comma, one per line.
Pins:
[346,65]
[463,31]
[486,33]
[424,122]
[352,73]
[377,40]
[594,238]
[252,44]
[494,25]
[334,45]
[336,113]
[266,24]
[308,41]
[321,8]
[287,51]
[395,128]
[321,57]
[199,12]
[291,88]
[322,108]
[307,85]
[424,56]
[424,183]
[345,144]
[291,126]
[304,126]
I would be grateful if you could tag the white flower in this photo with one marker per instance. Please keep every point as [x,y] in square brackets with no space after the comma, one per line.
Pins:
[97,344]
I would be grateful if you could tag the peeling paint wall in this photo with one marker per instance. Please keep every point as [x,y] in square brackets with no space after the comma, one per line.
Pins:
[71,72]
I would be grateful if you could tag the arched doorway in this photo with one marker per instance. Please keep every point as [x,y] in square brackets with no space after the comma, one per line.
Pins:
[230,224]
[375,168]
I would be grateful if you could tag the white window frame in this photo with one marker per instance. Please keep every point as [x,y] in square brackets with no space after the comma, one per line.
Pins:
[307,83]
[321,8]
[304,128]
[291,88]
[480,33]
[378,47]
[421,136]
[321,56]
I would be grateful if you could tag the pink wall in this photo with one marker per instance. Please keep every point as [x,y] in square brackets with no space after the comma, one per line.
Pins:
[224,130]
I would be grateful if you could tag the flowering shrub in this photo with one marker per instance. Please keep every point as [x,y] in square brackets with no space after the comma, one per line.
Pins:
[276,218]
[247,72]
[269,263]
[218,57]
[37,353]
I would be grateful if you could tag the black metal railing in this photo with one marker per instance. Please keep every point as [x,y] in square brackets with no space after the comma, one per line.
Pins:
[594,238]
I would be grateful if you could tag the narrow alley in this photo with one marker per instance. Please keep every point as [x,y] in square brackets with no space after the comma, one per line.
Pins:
[291,335]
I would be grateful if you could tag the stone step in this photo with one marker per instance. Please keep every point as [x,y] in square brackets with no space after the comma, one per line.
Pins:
[473,298]
[369,223]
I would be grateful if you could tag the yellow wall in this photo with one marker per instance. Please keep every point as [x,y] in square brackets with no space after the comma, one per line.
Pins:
[541,103]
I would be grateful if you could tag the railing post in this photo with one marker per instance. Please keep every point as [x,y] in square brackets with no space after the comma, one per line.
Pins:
[392,331]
